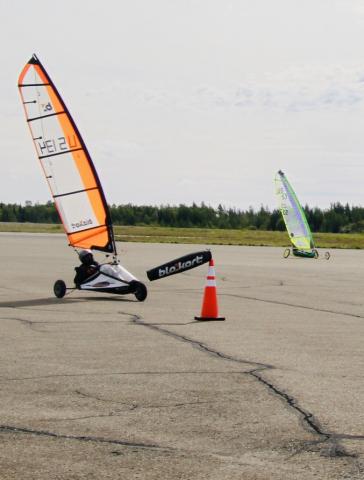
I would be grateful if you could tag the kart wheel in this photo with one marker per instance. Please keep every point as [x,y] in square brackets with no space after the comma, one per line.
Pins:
[141,292]
[327,255]
[315,253]
[287,253]
[59,289]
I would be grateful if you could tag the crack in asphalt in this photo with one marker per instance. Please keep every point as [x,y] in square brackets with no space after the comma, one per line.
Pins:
[28,323]
[308,419]
[346,436]
[85,417]
[135,406]
[81,438]
[32,324]
[94,397]
[110,374]
[195,343]
[27,307]
[305,307]
[120,412]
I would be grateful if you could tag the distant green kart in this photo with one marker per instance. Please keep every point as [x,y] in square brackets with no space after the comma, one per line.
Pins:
[295,220]
[304,253]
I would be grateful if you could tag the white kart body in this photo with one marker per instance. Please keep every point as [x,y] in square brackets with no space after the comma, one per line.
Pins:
[109,276]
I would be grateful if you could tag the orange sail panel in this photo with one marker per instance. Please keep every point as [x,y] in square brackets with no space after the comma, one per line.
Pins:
[66,163]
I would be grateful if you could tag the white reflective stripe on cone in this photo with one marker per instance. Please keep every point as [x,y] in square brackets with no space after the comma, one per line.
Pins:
[211,283]
[211,272]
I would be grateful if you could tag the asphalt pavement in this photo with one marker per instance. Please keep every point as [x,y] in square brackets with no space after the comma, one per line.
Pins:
[98,386]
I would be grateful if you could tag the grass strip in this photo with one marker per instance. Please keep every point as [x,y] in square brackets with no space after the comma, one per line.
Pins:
[204,236]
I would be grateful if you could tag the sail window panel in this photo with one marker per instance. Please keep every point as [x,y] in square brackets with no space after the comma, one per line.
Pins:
[52,137]
[62,174]
[294,217]
[53,147]
[295,226]
[77,212]
[36,101]
[39,97]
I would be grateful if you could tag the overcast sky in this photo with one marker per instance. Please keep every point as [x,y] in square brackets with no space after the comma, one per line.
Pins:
[183,101]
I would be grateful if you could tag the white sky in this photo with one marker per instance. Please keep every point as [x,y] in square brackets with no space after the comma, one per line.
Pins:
[183,101]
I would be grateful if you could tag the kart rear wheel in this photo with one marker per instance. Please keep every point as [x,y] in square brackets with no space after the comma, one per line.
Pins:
[287,253]
[59,289]
[327,255]
[141,292]
[315,252]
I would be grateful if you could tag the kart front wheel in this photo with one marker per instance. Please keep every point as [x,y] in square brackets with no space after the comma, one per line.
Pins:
[327,255]
[286,253]
[59,289]
[315,252]
[141,292]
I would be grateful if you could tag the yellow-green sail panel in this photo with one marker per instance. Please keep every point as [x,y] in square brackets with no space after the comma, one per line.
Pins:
[293,215]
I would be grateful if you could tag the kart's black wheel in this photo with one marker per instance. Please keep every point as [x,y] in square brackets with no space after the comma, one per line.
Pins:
[327,255]
[59,289]
[287,253]
[141,292]
[315,252]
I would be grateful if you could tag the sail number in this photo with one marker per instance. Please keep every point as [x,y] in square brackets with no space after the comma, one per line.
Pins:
[282,193]
[59,145]
[47,108]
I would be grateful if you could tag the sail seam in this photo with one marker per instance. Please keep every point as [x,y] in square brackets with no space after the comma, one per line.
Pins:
[61,153]
[33,84]
[74,192]
[45,116]
[87,229]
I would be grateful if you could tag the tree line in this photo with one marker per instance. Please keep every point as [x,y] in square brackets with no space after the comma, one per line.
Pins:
[337,218]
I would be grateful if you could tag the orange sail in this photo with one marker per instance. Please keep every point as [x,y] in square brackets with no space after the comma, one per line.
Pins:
[66,163]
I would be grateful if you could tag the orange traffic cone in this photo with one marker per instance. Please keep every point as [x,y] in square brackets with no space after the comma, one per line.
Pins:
[209,303]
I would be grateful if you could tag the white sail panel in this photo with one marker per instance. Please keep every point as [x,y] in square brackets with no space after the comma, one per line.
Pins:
[76,213]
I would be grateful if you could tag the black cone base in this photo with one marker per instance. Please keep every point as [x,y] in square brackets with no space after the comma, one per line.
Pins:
[209,319]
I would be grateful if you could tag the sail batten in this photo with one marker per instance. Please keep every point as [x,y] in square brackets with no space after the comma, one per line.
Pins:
[74,192]
[44,116]
[66,163]
[59,153]
[293,215]
[32,84]
[88,229]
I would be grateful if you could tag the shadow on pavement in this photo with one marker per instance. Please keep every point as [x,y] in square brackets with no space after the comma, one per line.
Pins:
[35,302]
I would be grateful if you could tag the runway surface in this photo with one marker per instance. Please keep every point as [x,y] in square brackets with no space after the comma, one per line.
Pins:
[97,386]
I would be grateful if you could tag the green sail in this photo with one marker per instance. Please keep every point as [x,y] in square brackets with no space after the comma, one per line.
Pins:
[293,215]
